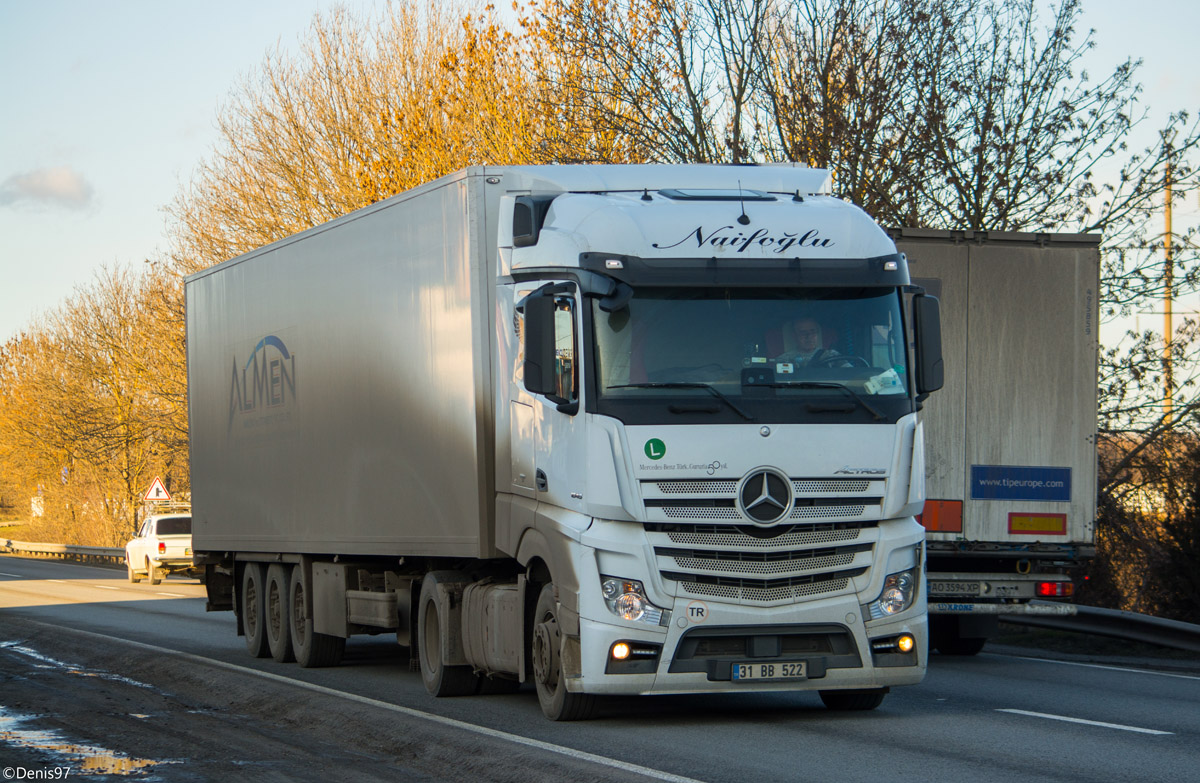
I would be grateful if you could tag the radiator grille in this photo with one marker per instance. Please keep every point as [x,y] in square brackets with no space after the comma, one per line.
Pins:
[704,542]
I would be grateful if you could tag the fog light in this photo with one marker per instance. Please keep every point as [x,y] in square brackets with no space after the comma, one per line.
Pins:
[905,643]
[620,651]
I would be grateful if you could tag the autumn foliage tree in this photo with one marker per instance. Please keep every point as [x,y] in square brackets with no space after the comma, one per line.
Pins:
[82,426]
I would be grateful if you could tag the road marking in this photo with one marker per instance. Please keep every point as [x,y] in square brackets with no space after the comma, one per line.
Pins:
[1109,668]
[60,581]
[562,750]
[1102,724]
[175,595]
[4,574]
[105,587]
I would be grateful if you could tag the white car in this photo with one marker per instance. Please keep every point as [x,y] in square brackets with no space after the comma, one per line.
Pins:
[162,547]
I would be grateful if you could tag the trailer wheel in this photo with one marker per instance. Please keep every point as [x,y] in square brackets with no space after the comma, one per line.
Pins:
[277,615]
[252,610]
[312,649]
[440,679]
[853,700]
[546,644]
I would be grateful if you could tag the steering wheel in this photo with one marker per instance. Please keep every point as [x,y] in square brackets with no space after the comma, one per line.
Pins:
[848,360]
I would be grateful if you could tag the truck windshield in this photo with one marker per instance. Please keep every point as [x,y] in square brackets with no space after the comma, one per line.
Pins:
[737,354]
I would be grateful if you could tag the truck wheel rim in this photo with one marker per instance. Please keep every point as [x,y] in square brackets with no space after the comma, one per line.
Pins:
[545,653]
[298,627]
[431,641]
[274,615]
[251,604]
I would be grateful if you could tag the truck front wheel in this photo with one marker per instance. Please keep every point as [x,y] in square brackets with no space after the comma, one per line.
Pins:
[546,645]
[251,598]
[440,679]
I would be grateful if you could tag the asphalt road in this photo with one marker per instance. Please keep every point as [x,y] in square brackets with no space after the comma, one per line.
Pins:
[99,673]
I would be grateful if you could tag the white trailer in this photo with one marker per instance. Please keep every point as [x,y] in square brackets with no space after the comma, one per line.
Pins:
[568,424]
[1011,439]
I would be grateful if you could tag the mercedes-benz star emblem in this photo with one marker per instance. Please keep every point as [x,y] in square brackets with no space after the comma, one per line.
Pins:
[765,496]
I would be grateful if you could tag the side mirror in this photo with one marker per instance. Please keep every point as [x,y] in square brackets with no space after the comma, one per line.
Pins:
[539,344]
[927,322]
[550,346]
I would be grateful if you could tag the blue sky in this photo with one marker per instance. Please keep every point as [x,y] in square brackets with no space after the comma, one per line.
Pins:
[108,106]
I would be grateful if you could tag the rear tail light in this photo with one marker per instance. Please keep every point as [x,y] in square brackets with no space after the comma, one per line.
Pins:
[1055,589]
[162,548]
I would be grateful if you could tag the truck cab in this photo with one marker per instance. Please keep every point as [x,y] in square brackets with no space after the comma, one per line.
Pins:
[715,393]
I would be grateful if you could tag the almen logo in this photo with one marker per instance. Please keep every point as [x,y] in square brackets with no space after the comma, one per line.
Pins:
[727,237]
[267,380]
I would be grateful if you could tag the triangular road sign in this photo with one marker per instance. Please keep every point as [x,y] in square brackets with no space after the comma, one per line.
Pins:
[157,491]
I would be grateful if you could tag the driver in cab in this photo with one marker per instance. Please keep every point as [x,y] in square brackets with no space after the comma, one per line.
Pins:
[807,345]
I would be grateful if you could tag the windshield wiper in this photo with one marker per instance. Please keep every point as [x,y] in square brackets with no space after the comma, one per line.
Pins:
[826,385]
[683,385]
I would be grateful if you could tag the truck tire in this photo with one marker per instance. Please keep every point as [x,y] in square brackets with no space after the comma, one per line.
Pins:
[546,645]
[152,574]
[277,615]
[251,597]
[133,575]
[313,650]
[440,679]
[853,700]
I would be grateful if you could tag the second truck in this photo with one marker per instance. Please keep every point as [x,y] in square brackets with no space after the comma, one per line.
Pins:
[612,429]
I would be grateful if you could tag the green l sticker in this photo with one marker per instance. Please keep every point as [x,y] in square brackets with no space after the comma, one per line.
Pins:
[655,448]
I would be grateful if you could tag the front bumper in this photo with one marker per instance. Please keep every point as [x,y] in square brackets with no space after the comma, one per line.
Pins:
[829,636]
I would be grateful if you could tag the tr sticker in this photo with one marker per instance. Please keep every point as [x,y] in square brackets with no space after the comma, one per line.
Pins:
[697,612]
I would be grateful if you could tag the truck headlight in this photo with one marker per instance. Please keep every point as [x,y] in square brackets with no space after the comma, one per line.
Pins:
[899,590]
[626,598]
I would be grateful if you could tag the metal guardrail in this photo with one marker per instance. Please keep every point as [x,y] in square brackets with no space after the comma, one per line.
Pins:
[1118,624]
[85,554]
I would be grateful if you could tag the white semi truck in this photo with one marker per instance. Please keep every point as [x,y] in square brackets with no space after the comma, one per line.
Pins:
[612,429]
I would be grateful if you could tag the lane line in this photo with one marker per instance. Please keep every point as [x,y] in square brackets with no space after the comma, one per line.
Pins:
[175,595]
[1102,724]
[1103,666]
[60,581]
[105,587]
[562,750]
[18,576]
